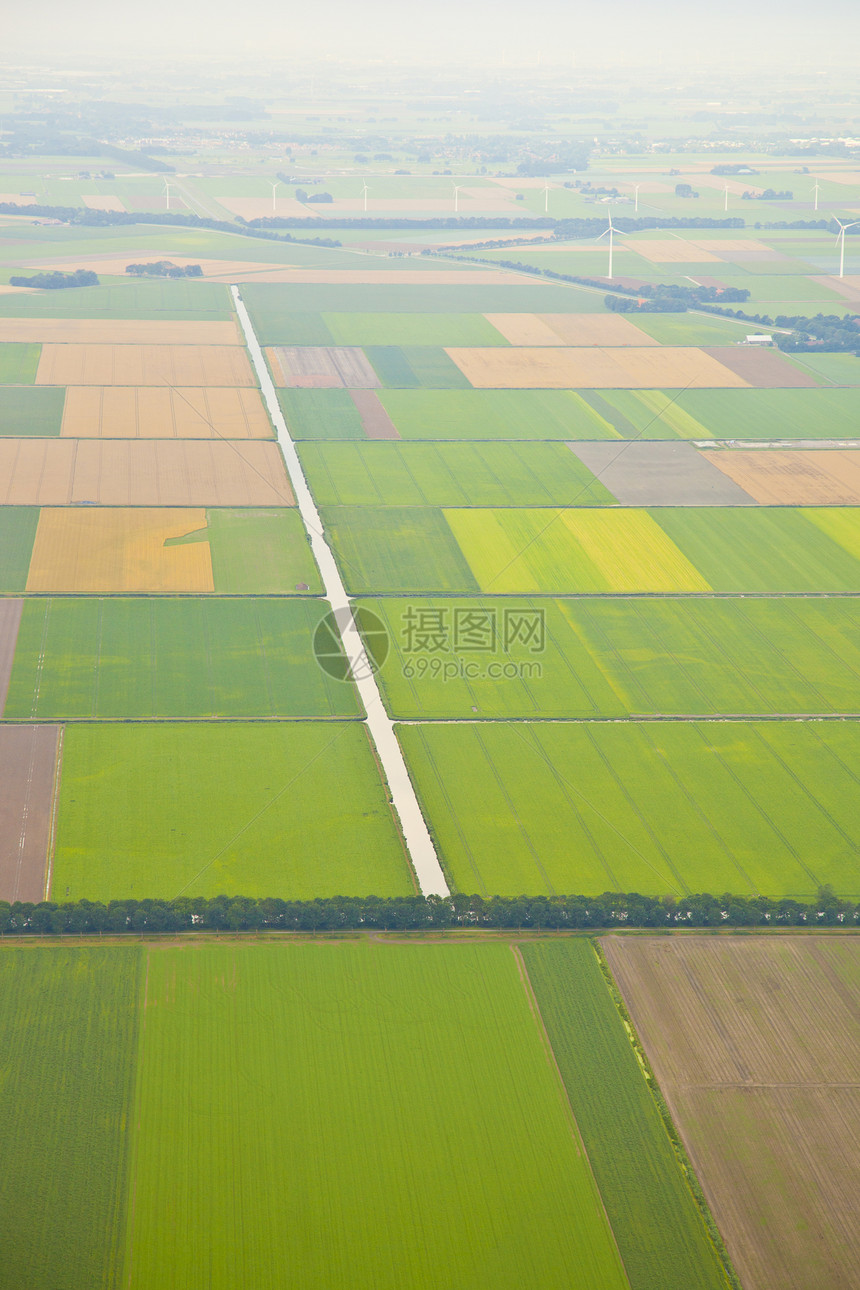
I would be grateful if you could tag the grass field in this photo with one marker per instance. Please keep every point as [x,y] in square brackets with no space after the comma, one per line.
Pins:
[495,414]
[30,411]
[177,300]
[396,549]
[830,369]
[773,414]
[415,368]
[380,1116]
[17,534]
[260,551]
[620,657]
[650,807]
[320,414]
[690,329]
[289,809]
[68,1026]
[421,329]
[171,657]
[18,363]
[449,474]
[661,1236]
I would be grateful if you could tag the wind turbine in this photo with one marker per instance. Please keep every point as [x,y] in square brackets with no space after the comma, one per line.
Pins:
[274,199]
[457,188]
[726,190]
[166,195]
[365,197]
[815,190]
[611,232]
[840,237]
[636,188]
[546,197]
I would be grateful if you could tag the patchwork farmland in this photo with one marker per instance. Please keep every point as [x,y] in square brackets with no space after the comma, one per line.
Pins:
[604,565]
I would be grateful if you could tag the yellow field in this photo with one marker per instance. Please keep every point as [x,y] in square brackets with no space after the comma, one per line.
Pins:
[119,551]
[671,251]
[144,365]
[156,412]
[568,329]
[142,472]
[118,331]
[794,478]
[630,368]
[632,552]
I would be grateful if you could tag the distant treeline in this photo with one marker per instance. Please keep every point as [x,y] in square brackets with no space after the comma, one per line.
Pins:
[55,280]
[436,221]
[417,913]
[30,141]
[164,269]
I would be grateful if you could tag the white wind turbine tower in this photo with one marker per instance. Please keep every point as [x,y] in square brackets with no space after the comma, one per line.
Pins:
[457,188]
[840,237]
[815,190]
[166,195]
[546,197]
[636,188]
[365,197]
[275,185]
[611,232]
[726,191]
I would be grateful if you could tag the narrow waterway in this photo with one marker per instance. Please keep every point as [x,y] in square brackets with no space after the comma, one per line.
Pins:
[422,852]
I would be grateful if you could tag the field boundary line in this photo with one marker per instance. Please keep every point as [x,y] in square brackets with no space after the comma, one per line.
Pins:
[55,806]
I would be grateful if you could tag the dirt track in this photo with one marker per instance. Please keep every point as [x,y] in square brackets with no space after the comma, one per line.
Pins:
[10,620]
[755,1043]
[376,421]
[28,764]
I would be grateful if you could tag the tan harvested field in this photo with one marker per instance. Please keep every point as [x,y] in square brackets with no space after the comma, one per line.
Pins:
[312,367]
[102,550]
[766,369]
[118,331]
[796,477]
[261,208]
[633,368]
[849,286]
[28,773]
[142,472]
[755,1043]
[11,609]
[569,329]
[158,412]
[103,203]
[375,420]
[671,251]
[144,365]
[7,290]
[736,186]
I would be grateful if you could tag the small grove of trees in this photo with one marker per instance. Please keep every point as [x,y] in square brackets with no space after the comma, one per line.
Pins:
[56,281]
[308,198]
[769,195]
[417,913]
[164,269]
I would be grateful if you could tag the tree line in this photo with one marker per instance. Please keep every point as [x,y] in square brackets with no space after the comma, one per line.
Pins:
[55,280]
[419,913]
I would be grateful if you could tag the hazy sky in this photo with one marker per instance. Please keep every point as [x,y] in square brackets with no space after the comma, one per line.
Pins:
[596,33]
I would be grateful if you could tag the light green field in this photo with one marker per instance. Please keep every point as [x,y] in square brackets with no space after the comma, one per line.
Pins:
[377,1116]
[416,367]
[171,657]
[260,551]
[31,410]
[656,807]
[690,328]
[830,369]
[616,657]
[449,474]
[660,1232]
[68,1027]
[17,534]
[494,414]
[293,809]
[396,549]
[772,414]
[320,414]
[18,362]
[412,329]
[175,299]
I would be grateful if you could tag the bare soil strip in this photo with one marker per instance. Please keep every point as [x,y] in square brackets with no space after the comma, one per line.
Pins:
[333,367]
[755,1042]
[766,369]
[11,609]
[661,474]
[375,420]
[28,760]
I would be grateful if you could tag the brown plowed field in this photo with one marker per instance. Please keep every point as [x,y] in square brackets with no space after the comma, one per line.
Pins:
[794,478]
[766,369]
[634,368]
[10,620]
[755,1042]
[117,331]
[569,329]
[375,420]
[158,412]
[103,550]
[144,365]
[28,767]
[142,472]
[313,367]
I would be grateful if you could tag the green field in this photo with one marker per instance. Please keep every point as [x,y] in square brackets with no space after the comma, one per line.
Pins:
[396,549]
[171,657]
[176,300]
[620,657]
[17,534]
[494,414]
[272,306]
[377,1116]
[68,1027]
[449,474]
[260,551]
[18,362]
[773,414]
[320,414]
[31,410]
[291,809]
[689,328]
[418,329]
[660,1233]
[656,807]
[830,369]
[416,368]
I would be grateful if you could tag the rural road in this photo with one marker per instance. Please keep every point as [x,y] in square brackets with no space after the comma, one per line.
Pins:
[422,852]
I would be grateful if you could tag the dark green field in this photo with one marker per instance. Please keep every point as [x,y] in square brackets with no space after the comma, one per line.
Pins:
[31,410]
[17,534]
[320,414]
[18,362]
[174,300]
